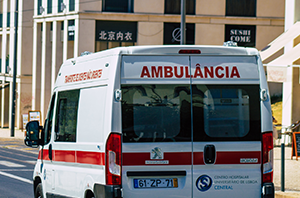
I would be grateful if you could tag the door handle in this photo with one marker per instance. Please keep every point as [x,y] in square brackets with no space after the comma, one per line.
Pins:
[209,154]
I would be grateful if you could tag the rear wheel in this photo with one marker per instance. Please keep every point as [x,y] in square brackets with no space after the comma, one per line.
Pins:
[39,191]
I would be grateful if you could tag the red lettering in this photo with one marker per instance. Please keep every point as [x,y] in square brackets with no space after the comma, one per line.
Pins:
[168,71]
[156,73]
[99,73]
[217,72]
[209,72]
[145,72]
[181,72]
[187,75]
[198,72]
[235,72]
[227,72]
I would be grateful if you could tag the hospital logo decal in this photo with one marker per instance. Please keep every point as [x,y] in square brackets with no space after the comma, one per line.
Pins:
[204,183]
[157,153]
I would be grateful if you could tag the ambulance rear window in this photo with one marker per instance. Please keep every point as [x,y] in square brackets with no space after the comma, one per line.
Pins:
[162,113]
[226,113]
[156,113]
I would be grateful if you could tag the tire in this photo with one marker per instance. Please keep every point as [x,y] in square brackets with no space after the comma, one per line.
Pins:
[39,191]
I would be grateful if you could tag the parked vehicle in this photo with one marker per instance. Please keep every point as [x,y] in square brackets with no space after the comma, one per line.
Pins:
[157,121]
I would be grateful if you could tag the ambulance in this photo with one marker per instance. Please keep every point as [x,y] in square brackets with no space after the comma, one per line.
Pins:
[157,121]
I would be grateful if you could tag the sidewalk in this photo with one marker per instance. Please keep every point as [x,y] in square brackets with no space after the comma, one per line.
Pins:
[292,174]
[16,142]
[292,167]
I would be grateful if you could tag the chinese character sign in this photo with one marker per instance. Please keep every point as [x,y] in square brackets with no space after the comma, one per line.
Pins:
[116,31]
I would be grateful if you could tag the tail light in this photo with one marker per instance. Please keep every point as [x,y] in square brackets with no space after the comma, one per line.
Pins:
[113,154]
[267,144]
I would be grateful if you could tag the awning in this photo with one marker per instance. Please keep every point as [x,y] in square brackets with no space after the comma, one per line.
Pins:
[281,41]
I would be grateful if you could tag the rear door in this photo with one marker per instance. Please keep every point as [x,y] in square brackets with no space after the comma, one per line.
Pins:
[226,127]
[156,126]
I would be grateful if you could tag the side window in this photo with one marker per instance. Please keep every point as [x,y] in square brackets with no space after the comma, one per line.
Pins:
[49,120]
[66,116]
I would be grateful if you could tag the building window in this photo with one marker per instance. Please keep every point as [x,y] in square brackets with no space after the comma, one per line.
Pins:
[71,5]
[71,30]
[243,35]
[61,6]
[172,33]
[40,8]
[117,5]
[111,34]
[8,20]
[49,6]
[1,20]
[174,7]
[243,8]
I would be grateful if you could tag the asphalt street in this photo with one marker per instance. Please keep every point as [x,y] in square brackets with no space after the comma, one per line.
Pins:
[16,170]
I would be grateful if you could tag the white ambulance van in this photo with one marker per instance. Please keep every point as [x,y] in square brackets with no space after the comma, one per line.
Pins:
[157,121]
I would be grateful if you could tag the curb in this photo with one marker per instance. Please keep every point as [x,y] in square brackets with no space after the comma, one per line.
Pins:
[287,194]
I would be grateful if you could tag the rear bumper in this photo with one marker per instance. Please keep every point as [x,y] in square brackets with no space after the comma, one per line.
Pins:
[105,191]
[268,190]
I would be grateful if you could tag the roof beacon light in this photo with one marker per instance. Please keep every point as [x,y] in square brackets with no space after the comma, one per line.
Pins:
[230,44]
[189,51]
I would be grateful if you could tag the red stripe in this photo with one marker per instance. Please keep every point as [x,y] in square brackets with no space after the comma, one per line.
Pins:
[45,154]
[64,156]
[83,157]
[139,159]
[234,157]
[86,157]
[198,158]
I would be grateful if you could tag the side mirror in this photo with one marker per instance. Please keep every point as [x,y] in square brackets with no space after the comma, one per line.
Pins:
[32,138]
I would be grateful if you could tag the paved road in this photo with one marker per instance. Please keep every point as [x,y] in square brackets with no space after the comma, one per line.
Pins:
[16,169]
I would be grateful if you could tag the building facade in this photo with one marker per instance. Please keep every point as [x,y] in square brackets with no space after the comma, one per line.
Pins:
[24,60]
[64,29]
[282,59]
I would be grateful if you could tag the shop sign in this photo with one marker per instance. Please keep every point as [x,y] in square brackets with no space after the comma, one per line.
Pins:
[106,35]
[276,74]
[243,35]
[172,33]
[116,31]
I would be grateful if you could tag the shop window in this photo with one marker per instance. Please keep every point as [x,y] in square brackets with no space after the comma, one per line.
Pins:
[117,5]
[174,7]
[172,33]
[243,8]
[71,30]
[49,6]
[103,45]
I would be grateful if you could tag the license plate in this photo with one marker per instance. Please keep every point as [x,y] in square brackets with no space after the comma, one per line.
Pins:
[156,183]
